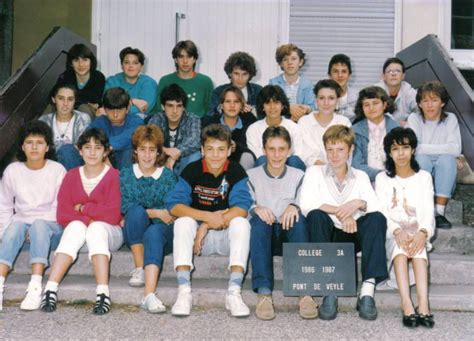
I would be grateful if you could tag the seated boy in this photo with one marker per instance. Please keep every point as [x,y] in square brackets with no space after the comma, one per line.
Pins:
[275,219]
[298,88]
[180,128]
[340,70]
[118,126]
[341,206]
[213,191]
[240,67]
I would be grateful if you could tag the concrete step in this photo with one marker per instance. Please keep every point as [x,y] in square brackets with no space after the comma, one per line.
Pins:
[445,268]
[459,239]
[210,293]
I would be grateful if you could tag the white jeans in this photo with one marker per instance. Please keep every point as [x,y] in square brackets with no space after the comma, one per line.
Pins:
[233,242]
[101,238]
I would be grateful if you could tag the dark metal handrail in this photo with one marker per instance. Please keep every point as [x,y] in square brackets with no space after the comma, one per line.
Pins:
[24,95]
[428,60]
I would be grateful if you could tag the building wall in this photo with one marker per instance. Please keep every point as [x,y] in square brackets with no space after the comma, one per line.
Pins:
[34,20]
[218,28]
[419,18]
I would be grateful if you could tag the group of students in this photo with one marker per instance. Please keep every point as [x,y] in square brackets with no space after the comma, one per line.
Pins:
[266,166]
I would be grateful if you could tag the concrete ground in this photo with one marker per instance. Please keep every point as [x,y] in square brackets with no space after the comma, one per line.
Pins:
[75,321]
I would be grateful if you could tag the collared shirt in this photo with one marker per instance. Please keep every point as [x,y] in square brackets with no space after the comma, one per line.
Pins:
[340,185]
[291,90]
[138,172]
[239,124]
[376,154]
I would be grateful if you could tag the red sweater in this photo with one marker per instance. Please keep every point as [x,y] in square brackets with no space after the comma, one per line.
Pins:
[103,204]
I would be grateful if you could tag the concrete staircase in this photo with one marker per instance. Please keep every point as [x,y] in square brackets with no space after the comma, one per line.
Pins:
[451,278]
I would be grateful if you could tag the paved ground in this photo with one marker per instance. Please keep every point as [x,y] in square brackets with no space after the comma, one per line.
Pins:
[129,322]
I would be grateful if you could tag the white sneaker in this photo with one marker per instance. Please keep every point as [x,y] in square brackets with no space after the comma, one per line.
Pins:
[137,277]
[183,304]
[234,303]
[32,300]
[152,304]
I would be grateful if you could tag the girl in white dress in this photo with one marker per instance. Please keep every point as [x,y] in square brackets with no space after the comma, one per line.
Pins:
[406,195]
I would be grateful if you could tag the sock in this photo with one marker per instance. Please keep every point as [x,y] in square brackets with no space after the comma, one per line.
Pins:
[264,291]
[368,288]
[52,286]
[2,281]
[440,209]
[102,289]
[235,281]
[36,279]
[184,279]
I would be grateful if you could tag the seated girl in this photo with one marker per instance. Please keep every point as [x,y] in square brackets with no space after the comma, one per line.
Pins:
[274,106]
[406,195]
[314,125]
[148,228]
[439,141]
[89,209]
[233,116]
[28,204]
[141,88]
[81,72]
[67,124]
[372,122]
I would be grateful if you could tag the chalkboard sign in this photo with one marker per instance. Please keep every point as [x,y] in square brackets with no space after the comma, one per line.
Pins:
[319,269]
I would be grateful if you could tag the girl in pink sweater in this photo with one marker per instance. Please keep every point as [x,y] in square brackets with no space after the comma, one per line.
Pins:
[89,208]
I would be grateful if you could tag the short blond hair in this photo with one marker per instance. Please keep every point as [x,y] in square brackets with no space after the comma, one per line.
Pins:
[339,133]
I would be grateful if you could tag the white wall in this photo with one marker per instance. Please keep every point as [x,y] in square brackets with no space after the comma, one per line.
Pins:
[217,27]
[422,17]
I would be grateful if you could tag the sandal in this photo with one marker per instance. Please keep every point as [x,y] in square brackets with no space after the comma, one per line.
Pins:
[49,301]
[102,304]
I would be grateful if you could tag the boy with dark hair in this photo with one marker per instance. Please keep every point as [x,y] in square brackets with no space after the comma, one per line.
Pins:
[180,128]
[298,88]
[240,68]
[198,87]
[340,70]
[276,218]
[212,192]
[401,92]
[28,203]
[118,126]
[340,206]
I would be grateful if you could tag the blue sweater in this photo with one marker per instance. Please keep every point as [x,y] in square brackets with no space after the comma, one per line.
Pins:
[360,157]
[305,93]
[120,137]
[146,192]
[144,88]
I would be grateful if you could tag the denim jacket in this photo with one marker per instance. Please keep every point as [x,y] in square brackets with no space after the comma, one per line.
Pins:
[360,157]
[305,93]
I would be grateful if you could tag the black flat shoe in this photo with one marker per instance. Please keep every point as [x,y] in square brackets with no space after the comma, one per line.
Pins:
[410,321]
[442,222]
[426,321]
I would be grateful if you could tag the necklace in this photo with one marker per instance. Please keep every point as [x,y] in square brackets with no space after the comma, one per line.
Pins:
[62,133]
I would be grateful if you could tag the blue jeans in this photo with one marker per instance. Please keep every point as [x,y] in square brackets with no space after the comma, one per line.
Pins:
[44,236]
[69,156]
[157,238]
[184,161]
[443,169]
[292,161]
[265,241]
[122,158]
[369,238]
